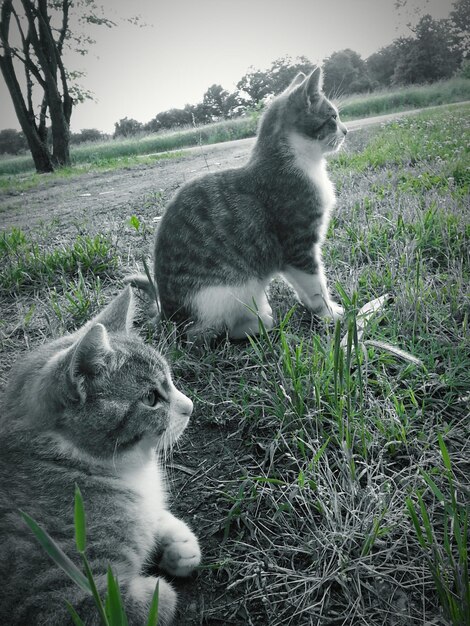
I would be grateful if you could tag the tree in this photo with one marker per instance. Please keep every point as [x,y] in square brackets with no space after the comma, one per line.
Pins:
[258,84]
[215,102]
[46,88]
[460,26]
[283,71]
[87,134]
[381,65]
[431,55]
[127,127]
[11,141]
[345,72]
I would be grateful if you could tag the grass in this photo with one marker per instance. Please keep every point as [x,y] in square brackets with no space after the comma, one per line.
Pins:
[17,175]
[324,472]
[404,98]
[25,263]
[113,154]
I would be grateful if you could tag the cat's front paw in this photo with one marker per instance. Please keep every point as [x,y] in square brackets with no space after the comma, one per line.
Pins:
[181,552]
[333,310]
[324,307]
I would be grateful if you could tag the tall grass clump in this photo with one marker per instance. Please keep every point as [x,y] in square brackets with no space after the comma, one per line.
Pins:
[120,152]
[403,98]
[429,139]
[445,544]
[27,264]
[316,507]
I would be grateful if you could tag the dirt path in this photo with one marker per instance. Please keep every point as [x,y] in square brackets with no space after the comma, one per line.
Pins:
[91,195]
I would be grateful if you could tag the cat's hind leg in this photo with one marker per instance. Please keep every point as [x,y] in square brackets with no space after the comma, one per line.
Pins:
[137,592]
[313,292]
[233,308]
[140,592]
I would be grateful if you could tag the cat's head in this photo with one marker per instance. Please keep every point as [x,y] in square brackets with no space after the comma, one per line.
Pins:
[102,389]
[303,110]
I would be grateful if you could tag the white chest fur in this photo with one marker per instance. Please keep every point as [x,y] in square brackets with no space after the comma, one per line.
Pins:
[142,475]
[309,159]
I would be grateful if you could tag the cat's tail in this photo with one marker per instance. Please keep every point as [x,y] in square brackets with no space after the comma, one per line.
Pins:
[149,288]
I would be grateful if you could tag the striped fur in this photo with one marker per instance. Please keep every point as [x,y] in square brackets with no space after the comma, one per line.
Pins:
[76,411]
[230,230]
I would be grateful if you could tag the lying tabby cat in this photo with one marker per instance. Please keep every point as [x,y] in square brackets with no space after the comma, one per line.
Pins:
[93,408]
[225,235]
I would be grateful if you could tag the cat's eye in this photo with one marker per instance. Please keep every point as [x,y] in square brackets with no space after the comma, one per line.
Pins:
[152,398]
[334,116]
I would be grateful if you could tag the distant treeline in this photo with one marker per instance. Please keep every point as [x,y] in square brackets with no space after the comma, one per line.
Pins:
[436,50]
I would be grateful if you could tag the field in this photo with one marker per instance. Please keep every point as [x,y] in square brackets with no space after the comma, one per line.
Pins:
[124,152]
[328,483]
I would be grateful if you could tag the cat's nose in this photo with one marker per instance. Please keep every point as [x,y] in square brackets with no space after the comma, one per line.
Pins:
[184,404]
[188,406]
[344,130]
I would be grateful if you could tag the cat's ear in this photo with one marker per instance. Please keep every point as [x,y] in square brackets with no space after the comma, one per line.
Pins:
[119,315]
[313,84]
[89,353]
[297,81]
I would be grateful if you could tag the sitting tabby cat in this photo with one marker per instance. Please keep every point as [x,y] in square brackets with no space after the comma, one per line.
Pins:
[225,235]
[93,408]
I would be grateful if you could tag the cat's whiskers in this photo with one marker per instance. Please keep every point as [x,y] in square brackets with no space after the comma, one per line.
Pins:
[116,444]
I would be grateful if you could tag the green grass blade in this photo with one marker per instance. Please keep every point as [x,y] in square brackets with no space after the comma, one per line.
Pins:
[56,553]
[153,613]
[336,353]
[114,607]
[80,522]
[414,519]
[151,282]
[434,488]
[94,591]
[426,521]
[77,620]
[320,451]
[444,452]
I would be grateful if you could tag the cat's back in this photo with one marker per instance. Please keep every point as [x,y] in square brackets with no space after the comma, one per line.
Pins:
[213,203]
[217,229]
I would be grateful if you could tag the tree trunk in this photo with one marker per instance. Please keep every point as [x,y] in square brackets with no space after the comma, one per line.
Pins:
[60,106]
[39,151]
[60,132]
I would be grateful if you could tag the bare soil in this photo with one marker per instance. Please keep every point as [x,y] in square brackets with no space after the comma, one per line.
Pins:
[92,196]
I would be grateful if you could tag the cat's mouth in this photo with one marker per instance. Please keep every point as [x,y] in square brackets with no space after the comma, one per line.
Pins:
[334,144]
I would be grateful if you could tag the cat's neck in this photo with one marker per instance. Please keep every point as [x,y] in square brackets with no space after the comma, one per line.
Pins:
[277,152]
[54,444]
[306,154]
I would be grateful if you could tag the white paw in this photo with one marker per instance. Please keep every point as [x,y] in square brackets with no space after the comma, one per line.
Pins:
[324,307]
[181,552]
[333,311]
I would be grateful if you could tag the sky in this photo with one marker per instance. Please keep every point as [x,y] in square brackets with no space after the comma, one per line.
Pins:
[184,46]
